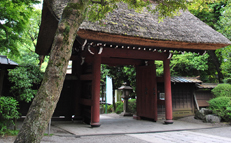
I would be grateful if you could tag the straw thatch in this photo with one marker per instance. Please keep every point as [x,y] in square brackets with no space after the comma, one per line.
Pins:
[125,26]
[185,28]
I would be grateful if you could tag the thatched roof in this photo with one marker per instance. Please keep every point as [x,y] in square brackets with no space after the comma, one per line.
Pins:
[125,26]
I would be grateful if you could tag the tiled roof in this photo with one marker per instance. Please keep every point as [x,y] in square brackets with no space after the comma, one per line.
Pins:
[207,85]
[185,79]
[5,61]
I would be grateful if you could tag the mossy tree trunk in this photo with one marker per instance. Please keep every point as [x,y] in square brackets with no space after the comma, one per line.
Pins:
[44,103]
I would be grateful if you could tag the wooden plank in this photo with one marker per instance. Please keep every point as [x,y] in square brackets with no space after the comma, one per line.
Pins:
[203,103]
[86,77]
[195,99]
[146,92]
[87,102]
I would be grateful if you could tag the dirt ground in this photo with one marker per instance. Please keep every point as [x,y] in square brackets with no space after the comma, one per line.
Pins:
[58,133]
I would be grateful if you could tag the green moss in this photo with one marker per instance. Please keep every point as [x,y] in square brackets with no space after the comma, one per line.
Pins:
[70,7]
[67,30]
[131,14]
[113,22]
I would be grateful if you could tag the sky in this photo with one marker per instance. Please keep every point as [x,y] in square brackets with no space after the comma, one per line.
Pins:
[39,6]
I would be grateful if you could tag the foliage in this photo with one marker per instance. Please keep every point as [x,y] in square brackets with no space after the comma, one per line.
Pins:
[109,108]
[222,90]
[166,8]
[227,80]
[8,112]
[224,24]
[119,108]
[221,106]
[159,68]
[14,16]
[25,79]
[119,75]
[132,106]
[225,66]
[188,64]
[217,15]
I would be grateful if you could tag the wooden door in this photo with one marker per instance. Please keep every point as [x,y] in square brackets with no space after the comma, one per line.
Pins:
[146,92]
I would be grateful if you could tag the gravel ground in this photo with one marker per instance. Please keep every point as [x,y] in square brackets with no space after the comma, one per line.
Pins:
[60,136]
[197,121]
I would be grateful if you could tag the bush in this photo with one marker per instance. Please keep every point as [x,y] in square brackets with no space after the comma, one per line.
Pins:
[8,112]
[221,106]
[132,106]
[119,107]
[26,81]
[222,90]
[227,80]
[109,108]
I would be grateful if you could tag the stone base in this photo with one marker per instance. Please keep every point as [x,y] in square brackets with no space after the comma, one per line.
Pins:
[95,124]
[168,121]
[126,114]
[136,117]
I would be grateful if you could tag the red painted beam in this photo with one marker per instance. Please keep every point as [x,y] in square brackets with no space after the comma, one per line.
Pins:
[133,54]
[168,92]
[95,108]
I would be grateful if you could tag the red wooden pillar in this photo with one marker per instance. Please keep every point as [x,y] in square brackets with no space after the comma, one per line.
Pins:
[95,108]
[168,93]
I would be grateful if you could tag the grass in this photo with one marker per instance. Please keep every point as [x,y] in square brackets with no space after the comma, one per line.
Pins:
[48,135]
[9,132]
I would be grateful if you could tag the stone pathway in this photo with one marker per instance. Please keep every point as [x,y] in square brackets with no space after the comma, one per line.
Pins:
[180,137]
[114,124]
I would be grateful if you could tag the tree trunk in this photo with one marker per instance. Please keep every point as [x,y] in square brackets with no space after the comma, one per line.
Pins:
[217,65]
[44,103]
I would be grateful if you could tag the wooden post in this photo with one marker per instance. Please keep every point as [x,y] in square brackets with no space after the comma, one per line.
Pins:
[95,108]
[168,92]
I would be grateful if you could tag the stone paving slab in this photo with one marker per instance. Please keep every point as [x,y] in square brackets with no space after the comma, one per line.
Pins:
[180,137]
[114,124]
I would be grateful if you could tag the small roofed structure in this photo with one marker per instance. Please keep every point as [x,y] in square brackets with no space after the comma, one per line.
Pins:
[204,94]
[183,89]
[178,79]
[207,85]
[4,61]
[5,64]
[125,37]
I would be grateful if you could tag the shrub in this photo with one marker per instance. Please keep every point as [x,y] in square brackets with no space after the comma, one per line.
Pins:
[221,106]
[25,78]
[109,108]
[118,103]
[8,112]
[132,106]
[222,90]
[227,80]
[119,107]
